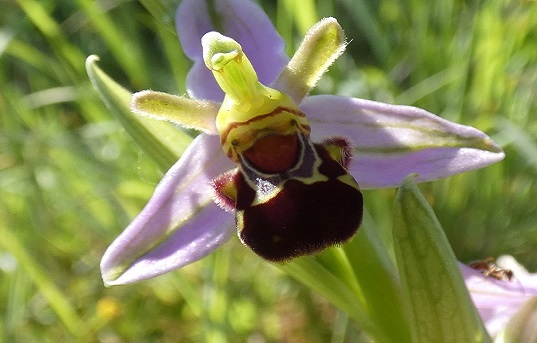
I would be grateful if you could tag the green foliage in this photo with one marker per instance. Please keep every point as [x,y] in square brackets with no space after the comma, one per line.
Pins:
[71,178]
[440,306]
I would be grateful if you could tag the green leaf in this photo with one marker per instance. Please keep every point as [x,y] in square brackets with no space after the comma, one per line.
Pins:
[441,307]
[378,279]
[163,11]
[56,298]
[115,34]
[331,281]
[160,140]
[360,279]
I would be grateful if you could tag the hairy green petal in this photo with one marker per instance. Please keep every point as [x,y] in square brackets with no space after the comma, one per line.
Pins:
[323,44]
[441,307]
[189,113]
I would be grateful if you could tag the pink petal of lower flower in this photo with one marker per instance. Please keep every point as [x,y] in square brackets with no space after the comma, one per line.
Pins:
[241,20]
[390,142]
[496,300]
[179,225]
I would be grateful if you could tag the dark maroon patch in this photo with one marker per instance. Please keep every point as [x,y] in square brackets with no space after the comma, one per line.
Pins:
[295,217]
[329,167]
[302,219]
[245,192]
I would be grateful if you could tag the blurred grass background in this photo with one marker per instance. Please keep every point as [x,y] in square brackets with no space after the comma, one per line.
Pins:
[71,179]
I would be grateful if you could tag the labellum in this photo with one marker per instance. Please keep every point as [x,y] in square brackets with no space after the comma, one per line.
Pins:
[291,196]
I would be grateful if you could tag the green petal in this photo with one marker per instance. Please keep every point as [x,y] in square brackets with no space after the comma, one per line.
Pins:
[323,44]
[441,307]
[160,140]
[189,113]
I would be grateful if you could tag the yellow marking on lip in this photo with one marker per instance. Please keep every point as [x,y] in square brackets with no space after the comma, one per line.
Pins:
[241,136]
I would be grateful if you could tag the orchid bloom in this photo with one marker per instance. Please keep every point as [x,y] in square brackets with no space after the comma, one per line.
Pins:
[184,220]
[498,300]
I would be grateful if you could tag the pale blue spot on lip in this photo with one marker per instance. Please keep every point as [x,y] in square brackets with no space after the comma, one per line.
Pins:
[264,186]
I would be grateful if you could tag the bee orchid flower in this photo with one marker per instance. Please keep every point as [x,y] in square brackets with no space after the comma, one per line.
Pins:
[287,164]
